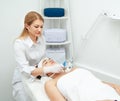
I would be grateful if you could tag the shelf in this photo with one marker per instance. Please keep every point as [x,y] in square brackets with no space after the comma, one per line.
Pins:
[60,22]
[63,43]
[48,18]
[112,16]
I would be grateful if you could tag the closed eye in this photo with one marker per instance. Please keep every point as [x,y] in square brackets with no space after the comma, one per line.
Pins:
[46,61]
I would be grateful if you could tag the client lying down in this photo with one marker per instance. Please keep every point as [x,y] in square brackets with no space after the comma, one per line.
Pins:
[77,85]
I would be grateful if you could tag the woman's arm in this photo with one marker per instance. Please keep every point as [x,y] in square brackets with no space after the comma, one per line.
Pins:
[52,91]
[37,71]
[115,86]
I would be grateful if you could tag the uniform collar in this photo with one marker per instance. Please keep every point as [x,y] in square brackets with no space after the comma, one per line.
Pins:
[30,43]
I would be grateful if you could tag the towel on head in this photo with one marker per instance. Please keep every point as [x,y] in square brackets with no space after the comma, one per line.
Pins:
[40,63]
[54,68]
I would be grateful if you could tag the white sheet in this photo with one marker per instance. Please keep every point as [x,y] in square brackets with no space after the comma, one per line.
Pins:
[81,85]
[69,85]
[35,89]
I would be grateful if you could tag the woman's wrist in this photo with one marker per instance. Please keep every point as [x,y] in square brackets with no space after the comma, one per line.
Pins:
[42,71]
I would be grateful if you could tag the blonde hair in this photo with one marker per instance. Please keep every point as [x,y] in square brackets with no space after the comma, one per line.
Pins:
[29,19]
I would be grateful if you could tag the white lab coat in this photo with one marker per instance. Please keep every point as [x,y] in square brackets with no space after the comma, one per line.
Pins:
[27,55]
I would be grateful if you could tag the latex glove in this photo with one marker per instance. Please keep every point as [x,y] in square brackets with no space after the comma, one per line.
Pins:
[57,68]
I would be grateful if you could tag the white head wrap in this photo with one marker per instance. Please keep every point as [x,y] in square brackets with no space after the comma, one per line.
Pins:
[40,63]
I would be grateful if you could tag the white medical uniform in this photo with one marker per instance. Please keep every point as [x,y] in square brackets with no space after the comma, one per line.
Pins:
[27,55]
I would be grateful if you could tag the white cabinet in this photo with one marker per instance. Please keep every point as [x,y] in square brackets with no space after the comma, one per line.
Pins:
[57,19]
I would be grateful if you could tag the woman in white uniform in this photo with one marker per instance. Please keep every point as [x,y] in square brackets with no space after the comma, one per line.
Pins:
[78,85]
[29,49]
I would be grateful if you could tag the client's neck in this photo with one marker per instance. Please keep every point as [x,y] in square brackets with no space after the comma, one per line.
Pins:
[57,75]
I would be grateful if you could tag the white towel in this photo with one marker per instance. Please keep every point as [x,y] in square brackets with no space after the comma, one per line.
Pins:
[82,85]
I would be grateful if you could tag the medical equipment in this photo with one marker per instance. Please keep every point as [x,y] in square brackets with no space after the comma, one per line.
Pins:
[68,64]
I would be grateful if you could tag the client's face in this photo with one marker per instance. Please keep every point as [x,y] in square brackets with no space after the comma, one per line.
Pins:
[48,62]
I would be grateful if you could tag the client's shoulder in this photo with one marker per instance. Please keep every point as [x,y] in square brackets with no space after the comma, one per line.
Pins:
[73,68]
